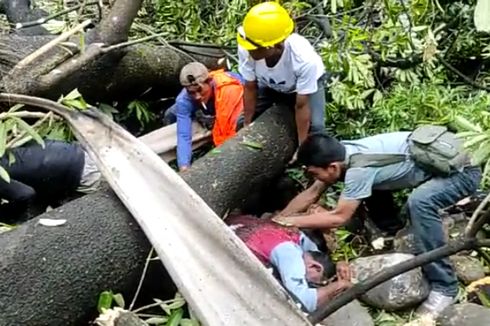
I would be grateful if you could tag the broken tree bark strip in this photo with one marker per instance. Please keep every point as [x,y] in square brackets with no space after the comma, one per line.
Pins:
[163,141]
[165,207]
[50,45]
[143,67]
[101,247]
[359,289]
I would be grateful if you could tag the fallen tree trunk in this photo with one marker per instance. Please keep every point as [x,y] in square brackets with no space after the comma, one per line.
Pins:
[163,141]
[53,275]
[148,69]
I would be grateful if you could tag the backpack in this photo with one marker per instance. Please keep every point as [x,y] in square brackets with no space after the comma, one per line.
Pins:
[433,148]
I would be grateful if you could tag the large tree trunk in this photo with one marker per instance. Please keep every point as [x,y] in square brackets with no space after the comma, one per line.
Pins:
[99,67]
[148,69]
[53,275]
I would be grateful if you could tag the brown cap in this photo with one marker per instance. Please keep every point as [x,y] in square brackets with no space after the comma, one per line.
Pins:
[193,73]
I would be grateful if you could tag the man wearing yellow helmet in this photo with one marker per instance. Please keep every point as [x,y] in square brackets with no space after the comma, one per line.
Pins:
[280,66]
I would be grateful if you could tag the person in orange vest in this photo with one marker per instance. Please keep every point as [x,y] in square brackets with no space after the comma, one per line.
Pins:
[214,99]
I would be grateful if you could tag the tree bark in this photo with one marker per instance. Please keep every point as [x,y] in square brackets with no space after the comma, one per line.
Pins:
[142,68]
[55,274]
[95,68]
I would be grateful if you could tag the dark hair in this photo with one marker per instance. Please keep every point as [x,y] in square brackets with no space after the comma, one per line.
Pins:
[323,259]
[320,150]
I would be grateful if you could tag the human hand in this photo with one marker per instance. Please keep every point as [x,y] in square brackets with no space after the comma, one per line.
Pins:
[294,158]
[315,208]
[283,220]
[343,285]
[343,271]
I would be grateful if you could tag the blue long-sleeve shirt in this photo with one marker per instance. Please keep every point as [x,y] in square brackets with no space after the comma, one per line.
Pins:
[185,112]
[287,258]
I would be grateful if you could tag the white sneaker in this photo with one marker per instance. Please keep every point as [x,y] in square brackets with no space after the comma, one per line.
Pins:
[434,304]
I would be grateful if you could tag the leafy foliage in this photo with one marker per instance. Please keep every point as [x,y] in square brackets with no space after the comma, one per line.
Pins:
[171,314]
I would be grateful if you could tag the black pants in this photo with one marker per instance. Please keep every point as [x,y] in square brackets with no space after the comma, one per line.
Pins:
[382,211]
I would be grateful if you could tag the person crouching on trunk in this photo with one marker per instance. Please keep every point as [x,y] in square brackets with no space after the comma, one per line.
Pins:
[280,67]
[301,268]
[214,99]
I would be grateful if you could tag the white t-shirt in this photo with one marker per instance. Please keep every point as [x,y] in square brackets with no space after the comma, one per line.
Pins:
[298,69]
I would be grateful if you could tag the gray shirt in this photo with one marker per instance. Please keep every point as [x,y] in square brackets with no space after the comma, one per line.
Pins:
[359,182]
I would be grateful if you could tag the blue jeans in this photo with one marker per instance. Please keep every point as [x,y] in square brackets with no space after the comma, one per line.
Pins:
[423,205]
[266,97]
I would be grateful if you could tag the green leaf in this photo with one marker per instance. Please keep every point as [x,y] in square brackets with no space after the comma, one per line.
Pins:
[11,158]
[175,317]
[164,306]
[118,298]
[105,301]
[30,131]
[77,104]
[476,140]
[73,95]
[482,16]
[156,320]
[4,174]
[189,322]
[464,124]
[16,107]
[3,138]
[252,144]
[482,154]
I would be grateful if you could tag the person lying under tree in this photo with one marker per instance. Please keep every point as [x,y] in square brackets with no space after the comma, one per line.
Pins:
[42,176]
[302,269]
[430,158]
[214,99]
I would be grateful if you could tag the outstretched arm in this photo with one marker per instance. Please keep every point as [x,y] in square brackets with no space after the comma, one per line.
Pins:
[323,219]
[302,201]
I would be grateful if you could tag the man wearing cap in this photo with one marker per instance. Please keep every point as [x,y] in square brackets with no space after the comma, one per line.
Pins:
[214,99]
[280,66]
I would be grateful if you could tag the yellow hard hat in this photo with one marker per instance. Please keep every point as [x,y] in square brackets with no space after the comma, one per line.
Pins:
[264,25]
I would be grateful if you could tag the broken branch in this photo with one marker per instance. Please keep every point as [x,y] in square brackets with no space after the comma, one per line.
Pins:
[383,276]
[478,219]
[48,46]
[44,20]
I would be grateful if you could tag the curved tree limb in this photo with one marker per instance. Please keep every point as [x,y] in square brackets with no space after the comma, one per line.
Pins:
[388,273]
[477,218]
[115,27]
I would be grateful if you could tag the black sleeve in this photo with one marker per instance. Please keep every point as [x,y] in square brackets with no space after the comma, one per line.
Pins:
[16,191]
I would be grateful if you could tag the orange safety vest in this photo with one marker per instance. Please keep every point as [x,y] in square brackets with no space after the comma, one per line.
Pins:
[228,105]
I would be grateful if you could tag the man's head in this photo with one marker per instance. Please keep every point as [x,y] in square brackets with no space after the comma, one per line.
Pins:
[323,156]
[265,27]
[195,78]
[318,266]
